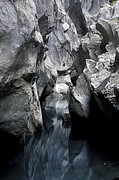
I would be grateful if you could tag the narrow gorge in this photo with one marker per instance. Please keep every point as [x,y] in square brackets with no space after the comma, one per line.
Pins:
[59,89]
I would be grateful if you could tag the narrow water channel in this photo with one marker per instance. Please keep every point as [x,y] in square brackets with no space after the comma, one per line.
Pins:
[54,155]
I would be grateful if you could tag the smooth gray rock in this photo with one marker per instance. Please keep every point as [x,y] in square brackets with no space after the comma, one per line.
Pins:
[20,44]
[80,97]
[22,52]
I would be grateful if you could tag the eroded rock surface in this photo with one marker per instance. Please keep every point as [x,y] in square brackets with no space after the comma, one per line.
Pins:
[37,39]
[20,44]
[103,74]
[100,69]
[60,47]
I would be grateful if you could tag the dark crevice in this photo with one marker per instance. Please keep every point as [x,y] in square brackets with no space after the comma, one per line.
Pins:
[105,36]
[47,90]
[75,13]
[40,55]
[102,47]
[80,59]
[7,88]
[29,77]
[100,129]
[9,147]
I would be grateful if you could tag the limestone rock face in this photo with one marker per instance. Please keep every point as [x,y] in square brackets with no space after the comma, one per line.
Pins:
[100,69]
[93,6]
[103,74]
[61,38]
[65,47]
[20,112]
[80,97]
[37,39]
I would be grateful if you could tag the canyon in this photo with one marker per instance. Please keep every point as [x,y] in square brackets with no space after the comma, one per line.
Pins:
[66,50]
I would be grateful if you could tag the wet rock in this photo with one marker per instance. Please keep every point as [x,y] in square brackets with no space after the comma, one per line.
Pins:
[66,120]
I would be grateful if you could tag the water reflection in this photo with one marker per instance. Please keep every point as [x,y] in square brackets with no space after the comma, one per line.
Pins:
[47,157]
[55,156]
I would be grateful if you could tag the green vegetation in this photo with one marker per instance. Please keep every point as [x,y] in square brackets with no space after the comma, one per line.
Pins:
[90,23]
[114,1]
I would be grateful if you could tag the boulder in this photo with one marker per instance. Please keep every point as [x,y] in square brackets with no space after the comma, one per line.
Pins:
[20,44]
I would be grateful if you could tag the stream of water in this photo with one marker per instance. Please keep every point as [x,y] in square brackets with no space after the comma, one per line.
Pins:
[54,155]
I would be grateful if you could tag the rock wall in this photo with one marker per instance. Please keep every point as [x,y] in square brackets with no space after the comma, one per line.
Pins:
[95,96]
[20,43]
[56,46]
[37,39]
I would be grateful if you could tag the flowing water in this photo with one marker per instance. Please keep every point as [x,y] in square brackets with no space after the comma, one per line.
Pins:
[54,155]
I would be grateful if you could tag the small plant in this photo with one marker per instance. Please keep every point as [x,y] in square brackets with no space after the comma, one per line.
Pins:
[90,23]
[113,2]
